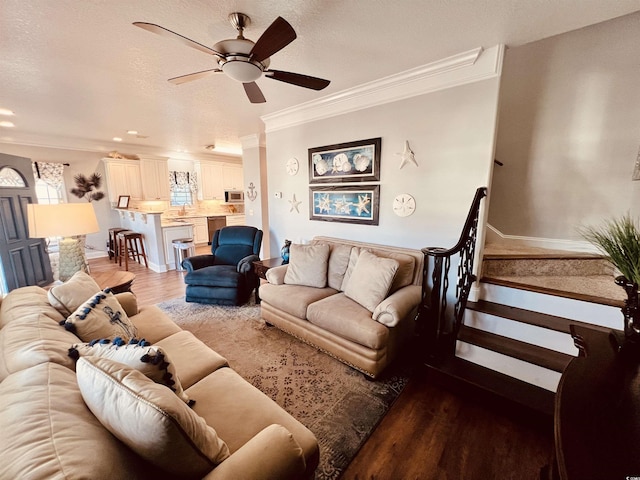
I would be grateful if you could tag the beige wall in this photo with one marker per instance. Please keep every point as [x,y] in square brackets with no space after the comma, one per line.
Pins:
[452,134]
[569,131]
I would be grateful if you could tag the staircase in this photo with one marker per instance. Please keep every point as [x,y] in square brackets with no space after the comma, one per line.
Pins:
[515,341]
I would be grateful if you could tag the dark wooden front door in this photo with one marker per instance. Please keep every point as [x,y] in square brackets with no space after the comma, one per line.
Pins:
[24,260]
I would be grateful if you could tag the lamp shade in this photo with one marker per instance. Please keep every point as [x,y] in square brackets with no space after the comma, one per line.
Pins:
[61,220]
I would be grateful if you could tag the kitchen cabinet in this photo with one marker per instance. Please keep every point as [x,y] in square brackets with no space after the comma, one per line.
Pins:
[236,220]
[210,178]
[155,179]
[233,177]
[123,178]
[200,230]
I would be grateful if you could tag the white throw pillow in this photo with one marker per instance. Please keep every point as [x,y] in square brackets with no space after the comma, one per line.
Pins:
[371,280]
[153,361]
[101,316]
[66,298]
[308,265]
[149,419]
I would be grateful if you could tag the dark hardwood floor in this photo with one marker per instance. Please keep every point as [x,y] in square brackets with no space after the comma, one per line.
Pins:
[435,430]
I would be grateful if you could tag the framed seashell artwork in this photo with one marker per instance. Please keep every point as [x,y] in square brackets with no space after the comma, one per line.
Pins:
[346,162]
[345,203]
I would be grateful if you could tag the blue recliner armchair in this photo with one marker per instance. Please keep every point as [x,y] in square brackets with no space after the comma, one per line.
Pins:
[226,277]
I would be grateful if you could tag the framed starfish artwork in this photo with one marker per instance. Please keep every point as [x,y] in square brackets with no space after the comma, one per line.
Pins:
[346,162]
[349,204]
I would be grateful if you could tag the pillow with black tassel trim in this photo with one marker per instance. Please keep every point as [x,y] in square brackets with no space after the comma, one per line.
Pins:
[101,316]
[150,360]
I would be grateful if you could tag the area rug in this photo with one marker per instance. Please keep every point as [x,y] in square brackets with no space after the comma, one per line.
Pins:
[334,401]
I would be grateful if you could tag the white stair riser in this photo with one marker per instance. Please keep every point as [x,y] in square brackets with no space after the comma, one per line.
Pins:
[532,334]
[527,372]
[594,313]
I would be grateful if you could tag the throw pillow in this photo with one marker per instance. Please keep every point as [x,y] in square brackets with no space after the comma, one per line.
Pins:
[371,280]
[139,354]
[101,316]
[149,419]
[308,265]
[338,263]
[66,298]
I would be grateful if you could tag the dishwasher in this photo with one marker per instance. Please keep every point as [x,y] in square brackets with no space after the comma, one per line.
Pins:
[215,223]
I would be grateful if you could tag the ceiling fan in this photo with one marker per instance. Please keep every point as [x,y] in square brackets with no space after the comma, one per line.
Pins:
[243,60]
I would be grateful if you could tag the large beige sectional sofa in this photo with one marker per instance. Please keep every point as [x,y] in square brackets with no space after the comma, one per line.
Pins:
[353,300]
[47,430]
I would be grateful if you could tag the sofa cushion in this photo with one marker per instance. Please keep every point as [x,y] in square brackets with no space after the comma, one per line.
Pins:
[344,317]
[153,361]
[293,299]
[371,279]
[215,276]
[101,316]
[338,263]
[32,340]
[406,269]
[66,298]
[24,301]
[153,324]
[240,411]
[192,358]
[308,265]
[353,259]
[48,431]
[149,418]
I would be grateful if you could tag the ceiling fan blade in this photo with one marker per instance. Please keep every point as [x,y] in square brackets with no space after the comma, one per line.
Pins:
[298,79]
[279,34]
[253,92]
[193,76]
[152,27]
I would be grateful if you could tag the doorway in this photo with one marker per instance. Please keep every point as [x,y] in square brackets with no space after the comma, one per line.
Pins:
[24,260]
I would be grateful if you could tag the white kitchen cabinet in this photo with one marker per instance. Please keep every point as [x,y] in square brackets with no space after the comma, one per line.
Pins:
[169,234]
[200,230]
[123,178]
[233,177]
[236,220]
[155,179]
[210,178]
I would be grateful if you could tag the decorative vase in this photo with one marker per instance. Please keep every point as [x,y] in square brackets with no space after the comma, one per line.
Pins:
[284,251]
[631,312]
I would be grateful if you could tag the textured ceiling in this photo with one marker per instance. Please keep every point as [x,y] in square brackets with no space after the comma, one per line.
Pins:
[77,72]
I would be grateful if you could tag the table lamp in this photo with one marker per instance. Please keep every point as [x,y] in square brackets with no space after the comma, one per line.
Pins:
[64,220]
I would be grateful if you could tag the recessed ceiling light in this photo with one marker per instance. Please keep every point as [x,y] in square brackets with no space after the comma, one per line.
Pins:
[132,132]
[6,111]
[117,139]
[7,124]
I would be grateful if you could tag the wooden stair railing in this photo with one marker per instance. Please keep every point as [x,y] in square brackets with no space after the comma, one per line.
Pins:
[437,326]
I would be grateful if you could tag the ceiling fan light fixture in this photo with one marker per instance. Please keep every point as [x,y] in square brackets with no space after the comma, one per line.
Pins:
[241,69]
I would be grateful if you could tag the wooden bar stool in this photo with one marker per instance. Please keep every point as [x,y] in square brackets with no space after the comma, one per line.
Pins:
[131,244]
[113,243]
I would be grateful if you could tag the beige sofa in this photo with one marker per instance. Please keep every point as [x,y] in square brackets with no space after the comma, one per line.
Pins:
[352,305]
[48,432]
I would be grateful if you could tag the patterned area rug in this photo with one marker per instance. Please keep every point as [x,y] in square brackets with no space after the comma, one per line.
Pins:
[334,401]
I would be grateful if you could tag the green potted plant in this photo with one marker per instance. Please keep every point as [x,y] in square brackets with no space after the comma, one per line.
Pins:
[619,240]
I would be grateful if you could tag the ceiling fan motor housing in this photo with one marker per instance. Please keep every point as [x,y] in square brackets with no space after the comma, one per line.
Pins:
[236,62]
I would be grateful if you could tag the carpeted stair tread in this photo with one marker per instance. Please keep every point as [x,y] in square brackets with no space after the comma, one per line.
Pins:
[526,352]
[596,289]
[551,322]
[497,383]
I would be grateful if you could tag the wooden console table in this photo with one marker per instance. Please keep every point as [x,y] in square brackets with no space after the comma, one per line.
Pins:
[117,280]
[597,415]
[261,267]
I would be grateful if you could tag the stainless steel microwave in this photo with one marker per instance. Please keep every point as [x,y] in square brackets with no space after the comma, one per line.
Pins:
[234,196]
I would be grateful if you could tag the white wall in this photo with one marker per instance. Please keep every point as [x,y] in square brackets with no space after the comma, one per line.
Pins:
[452,134]
[569,131]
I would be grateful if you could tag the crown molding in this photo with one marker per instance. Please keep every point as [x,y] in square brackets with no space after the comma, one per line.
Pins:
[252,141]
[466,67]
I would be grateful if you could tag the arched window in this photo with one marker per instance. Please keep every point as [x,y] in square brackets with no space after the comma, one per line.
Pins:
[11,178]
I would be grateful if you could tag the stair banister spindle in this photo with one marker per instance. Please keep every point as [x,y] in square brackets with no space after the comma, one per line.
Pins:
[440,332]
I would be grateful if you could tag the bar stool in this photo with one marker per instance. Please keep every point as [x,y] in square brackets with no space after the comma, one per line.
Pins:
[131,244]
[113,249]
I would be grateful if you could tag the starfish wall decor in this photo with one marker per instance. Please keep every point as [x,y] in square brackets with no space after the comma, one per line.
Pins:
[407,155]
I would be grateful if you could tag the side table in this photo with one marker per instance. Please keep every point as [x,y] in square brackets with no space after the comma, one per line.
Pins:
[261,267]
[117,280]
